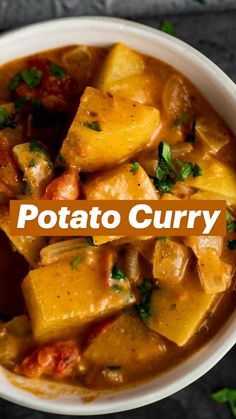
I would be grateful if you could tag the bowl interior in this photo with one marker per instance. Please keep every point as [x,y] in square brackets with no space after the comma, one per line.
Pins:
[221,93]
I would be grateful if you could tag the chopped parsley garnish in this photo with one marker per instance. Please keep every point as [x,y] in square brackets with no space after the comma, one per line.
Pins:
[57,71]
[14,82]
[117,273]
[20,102]
[197,171]
[167,174]
[113,367]
[226,395]
[163,239]
[90,241]
[230,222]
[231,244]
[144,309]
[186,169]
[94,125]
[36,147]
[32,77]
[5,121]
[32,163]
[117,288]
[182,120]
[134,167]
[75,262]
[167,27]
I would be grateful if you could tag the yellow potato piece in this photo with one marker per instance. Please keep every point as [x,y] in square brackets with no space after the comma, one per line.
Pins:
[170,261]
[127,343]
[65,296]
[210,135]
[27,246]
[200,243]
[179,313]
[120,184]
[121,62]
[215,275]
[216,178]
[120,128]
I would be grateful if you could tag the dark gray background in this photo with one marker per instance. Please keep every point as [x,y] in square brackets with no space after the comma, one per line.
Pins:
[211,28]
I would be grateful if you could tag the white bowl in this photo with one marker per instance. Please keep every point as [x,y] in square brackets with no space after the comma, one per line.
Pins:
[220,91]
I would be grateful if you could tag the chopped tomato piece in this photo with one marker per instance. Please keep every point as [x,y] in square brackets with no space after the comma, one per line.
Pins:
[65,186]
[57,359]
[9,175]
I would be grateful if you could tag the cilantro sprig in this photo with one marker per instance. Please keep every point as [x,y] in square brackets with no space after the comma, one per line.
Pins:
[117,273]
[94,125]
[167,27]
[226,395]
[5,120]
[30,76]
[57,71]
[167,174]
[134,167]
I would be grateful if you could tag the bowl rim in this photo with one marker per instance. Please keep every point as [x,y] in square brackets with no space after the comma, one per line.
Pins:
[219,345]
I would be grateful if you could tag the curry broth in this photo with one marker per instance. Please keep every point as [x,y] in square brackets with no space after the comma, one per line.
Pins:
[51,130]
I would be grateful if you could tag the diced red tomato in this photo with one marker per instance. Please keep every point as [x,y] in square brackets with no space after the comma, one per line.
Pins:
[9,176]
[65,186]
[57,360]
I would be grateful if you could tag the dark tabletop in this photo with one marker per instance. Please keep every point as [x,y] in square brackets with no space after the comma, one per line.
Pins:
[214,34]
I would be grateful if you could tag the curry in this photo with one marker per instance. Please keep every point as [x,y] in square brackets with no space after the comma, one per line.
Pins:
[110,123]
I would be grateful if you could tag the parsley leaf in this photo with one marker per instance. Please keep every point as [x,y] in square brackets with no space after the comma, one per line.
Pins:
[90,241]
[164,186]
[75,262]
[117,288]
[226,395]
[94,125]
[14,82]
[134,167]
[34,145]
[167,27]
[57,71]
[5,121]
[197,171]
[32,163]
[117,273]
[186,169]
[230,222]
[182,120]
[32,77]
[144,309]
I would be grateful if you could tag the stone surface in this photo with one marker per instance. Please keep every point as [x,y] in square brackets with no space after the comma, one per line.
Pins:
[214,34]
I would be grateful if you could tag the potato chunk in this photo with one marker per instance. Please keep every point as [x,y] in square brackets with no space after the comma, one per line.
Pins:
[211,135]
[215,178]
[107,130]
[121,62]
[200,243]
[215,275]
[36,166]
[27,246]
[170,261]
[126,344]
[65,296]
[179,312]
[120,184]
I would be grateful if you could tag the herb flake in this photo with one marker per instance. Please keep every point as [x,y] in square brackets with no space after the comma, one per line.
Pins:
[226,395]
[75,262]
[94,125]
[32,77]
[167,27]
[117,273]
[134,167]
[57,71]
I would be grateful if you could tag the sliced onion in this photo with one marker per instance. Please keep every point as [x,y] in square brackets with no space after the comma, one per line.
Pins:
[132,268]
[180,149]
[55,251]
